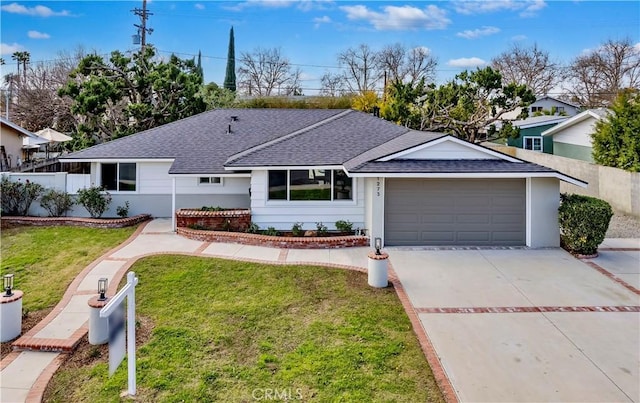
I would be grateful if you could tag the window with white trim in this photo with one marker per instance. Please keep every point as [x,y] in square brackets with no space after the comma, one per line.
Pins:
[532,143]
[309,184]
[210,180]
[118,177]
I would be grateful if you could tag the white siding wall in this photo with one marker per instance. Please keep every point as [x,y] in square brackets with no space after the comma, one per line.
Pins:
[282,214]
[549,103]
[447,150]
[543,200]
[578,134]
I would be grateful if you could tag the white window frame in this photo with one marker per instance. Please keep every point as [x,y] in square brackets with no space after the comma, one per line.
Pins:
[533,141]
[332,201]
[220,181]
[99,173]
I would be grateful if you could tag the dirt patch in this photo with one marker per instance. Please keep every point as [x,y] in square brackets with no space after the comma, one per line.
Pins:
[623,226]
[29,320]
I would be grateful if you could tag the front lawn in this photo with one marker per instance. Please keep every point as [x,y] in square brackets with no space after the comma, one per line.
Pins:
[232,331]
[45,260]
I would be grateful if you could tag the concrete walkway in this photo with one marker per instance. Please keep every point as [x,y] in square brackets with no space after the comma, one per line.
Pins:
[24,374]
[530,325]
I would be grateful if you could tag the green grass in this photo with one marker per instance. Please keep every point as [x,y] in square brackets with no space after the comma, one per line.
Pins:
[228,331]
[45,260]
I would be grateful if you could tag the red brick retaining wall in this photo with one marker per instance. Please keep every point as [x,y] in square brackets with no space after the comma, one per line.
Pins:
[8,222]
[331,242]
[225,220]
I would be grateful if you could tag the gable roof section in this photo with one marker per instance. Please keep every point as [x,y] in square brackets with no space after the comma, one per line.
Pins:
[202,143]
[333,142]
[476,150]
[17,128]
[596,114]
[557,100]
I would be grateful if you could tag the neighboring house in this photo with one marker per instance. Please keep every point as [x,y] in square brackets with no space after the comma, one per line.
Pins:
[572,138]
[531,129]
[546,103]
[404,186]
[11,144]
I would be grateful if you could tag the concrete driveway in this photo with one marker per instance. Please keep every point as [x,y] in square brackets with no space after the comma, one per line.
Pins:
[528,325]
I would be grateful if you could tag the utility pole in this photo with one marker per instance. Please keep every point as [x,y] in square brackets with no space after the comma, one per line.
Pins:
[142,27]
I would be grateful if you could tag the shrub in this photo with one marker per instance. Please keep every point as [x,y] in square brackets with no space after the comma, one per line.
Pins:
[344,226]
[322,229]
[94,200]
[211,208]
[253,228]
[123,211]
[56,203]
[17,196]
[297,230]
[271,231]
[584,222]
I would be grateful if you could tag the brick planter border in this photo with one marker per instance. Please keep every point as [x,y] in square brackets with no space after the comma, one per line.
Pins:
[232,220]
[7,222]
[330,242]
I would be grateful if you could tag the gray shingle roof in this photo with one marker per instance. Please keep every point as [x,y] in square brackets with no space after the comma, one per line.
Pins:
[333,142]
[451,166]
[201,144]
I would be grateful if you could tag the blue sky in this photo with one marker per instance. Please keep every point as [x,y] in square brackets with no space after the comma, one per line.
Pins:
[460,34]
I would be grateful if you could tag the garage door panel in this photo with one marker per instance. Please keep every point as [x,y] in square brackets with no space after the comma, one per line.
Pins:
[455,212]
[438,218]
[405,237]
[438,238]
[480,237]
[473,219]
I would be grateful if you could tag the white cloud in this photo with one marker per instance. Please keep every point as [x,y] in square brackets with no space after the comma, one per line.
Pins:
[466,62]
[532,9]
[6,49]
[38,35]
[304,5]
[199,6]
[38,11]
[518,37]
[400,18]
[527,8]
[321,20]
[477,33]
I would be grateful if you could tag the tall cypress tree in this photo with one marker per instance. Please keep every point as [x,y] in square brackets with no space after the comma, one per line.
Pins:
[199,66]
[230,75]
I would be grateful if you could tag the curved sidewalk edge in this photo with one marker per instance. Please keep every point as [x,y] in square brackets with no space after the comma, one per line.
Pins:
[38,387]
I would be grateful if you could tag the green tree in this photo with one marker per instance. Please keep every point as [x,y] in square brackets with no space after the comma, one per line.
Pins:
[473,105]
[399,103]
[616,139]
[215,96]
[199,66]
[230,75]
[124,95]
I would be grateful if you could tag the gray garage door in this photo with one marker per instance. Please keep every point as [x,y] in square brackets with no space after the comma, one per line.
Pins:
[455,212]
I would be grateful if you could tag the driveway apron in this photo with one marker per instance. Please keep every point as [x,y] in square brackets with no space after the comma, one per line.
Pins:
[526,325]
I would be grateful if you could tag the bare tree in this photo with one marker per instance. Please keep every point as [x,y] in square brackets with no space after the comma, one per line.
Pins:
[406,65]
[361,68]
[266,72]
[39,105]
[530,66]
[332,85]
[597,77]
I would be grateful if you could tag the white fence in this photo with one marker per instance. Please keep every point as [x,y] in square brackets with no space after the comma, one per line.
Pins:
[60,181]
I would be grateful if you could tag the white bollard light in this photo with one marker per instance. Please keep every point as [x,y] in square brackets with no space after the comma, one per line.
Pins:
[10,310]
